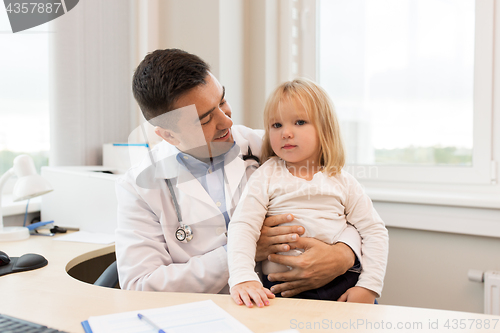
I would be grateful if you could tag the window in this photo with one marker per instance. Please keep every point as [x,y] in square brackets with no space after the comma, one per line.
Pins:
[24,111]
[412,85]
[401,69]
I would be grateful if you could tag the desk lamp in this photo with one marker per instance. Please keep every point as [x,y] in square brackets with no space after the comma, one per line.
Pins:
[29,185]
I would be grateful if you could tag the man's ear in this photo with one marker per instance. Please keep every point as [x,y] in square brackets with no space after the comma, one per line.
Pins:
[167,135]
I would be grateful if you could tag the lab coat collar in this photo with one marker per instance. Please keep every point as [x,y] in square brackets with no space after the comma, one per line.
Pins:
[168,167]
[234,170]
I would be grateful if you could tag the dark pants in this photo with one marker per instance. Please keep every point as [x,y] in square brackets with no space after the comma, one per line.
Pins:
[329,292]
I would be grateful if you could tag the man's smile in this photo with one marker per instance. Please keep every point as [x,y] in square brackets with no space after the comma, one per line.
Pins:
[223,136]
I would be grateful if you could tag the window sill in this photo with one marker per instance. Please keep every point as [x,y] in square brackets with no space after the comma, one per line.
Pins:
[471,199]
[464,212]
[10,207]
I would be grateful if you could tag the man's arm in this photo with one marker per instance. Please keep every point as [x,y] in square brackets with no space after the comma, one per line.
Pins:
[144,259]
[318,265]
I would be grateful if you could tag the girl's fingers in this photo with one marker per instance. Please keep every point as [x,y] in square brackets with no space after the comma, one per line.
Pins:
[263,296]
[246,299]
[255,295]
[251,294]
[236,298]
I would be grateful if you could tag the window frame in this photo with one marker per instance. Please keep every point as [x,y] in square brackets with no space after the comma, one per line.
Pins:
[483,169]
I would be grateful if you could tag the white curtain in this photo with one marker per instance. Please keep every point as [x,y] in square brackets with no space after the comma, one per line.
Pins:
[92,63]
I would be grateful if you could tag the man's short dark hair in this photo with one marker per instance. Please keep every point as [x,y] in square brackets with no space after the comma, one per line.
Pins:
[164,76]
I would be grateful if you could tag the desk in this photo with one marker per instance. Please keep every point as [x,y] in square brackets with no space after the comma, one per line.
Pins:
[51,297]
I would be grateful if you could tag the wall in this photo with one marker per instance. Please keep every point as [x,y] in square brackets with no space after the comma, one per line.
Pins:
[215,32]
[237,38]
[429,269]
[432,248]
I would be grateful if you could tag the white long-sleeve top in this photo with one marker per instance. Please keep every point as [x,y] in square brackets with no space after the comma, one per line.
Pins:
[324,206]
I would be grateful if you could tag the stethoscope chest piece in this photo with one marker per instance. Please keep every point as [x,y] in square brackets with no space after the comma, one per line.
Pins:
[184,233]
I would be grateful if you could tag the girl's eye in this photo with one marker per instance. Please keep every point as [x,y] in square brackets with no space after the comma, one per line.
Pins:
[222,103]
[301,122]
[209,119]
[276,125]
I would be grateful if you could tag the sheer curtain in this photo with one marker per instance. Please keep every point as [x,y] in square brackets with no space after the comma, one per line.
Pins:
[92,63]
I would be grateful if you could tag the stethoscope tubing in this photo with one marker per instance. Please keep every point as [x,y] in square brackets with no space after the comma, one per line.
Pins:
[184,233]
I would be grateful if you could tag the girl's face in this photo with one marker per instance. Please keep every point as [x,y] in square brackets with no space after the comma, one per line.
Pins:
[293,137]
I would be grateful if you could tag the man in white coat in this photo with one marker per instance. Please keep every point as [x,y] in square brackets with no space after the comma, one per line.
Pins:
[174,207]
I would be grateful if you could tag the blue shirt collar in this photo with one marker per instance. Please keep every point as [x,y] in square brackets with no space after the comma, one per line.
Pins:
[199,168]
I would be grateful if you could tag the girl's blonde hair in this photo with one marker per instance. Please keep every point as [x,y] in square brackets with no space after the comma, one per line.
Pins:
[319,107]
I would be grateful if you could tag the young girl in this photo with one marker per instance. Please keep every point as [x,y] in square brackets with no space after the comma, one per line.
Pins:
[303,175]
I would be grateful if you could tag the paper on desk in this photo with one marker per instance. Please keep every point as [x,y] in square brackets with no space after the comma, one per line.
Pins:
[88,237]
[204,316]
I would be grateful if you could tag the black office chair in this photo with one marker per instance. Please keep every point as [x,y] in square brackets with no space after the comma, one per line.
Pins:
[108,278]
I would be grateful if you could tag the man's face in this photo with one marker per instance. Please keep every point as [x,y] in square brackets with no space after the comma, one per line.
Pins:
[205,131]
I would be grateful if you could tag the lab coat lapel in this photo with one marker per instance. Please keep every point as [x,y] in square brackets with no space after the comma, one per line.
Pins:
[187,184]
[233,172]
[191,186]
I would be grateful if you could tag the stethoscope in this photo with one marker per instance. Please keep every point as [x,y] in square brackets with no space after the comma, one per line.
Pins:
[184,233]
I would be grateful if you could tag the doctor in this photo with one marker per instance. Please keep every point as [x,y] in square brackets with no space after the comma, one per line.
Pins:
[174,207]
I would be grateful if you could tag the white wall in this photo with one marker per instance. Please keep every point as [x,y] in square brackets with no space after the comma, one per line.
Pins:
[215,32]
[429,269]
[431,250]
[238,38]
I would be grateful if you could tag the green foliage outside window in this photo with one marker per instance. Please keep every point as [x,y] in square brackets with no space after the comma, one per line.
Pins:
[7,158]
[430,156]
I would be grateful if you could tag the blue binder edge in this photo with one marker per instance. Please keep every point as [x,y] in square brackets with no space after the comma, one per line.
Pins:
[86,326]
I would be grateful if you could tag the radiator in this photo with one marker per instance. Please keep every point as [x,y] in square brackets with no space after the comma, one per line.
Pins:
[491,281]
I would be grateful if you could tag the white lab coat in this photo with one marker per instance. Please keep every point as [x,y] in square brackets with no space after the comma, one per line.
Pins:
[149,256]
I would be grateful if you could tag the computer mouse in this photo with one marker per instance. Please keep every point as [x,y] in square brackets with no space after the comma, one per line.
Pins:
[4,258]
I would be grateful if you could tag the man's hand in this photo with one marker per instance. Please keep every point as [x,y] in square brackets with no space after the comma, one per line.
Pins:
[318,265]
[274,239]
[358,295]
[245,292]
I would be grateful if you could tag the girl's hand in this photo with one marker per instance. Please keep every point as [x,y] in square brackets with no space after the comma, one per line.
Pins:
[358,295]
[247,291]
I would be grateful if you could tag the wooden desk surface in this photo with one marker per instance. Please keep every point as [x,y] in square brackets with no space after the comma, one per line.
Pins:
[51,297]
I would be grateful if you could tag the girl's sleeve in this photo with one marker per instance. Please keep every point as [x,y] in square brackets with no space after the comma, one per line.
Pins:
[244,228]
[374,236]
